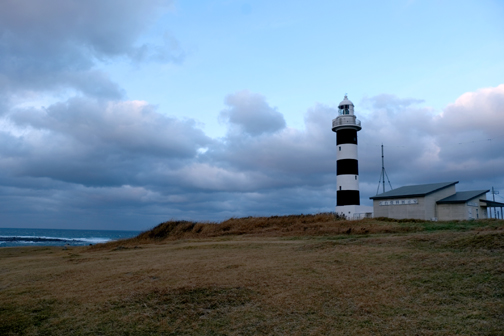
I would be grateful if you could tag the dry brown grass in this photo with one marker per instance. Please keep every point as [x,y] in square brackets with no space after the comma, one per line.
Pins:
[424,280]
[275,226]
[322,224]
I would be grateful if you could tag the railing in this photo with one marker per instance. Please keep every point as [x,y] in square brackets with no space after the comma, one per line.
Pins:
[346,121]
[361,215]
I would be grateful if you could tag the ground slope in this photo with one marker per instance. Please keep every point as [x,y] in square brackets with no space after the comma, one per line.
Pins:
[434,280]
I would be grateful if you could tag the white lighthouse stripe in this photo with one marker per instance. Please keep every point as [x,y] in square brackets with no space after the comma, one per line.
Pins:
[346,151]
[347,182]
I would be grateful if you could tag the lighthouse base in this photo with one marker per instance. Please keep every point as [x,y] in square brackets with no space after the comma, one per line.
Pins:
[355,211]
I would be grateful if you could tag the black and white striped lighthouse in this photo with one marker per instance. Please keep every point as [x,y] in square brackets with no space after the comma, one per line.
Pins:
[346,126]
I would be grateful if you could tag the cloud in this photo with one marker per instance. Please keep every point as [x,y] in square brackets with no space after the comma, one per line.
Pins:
[475,111]
[54,44]
[251,114]
[169,50]
[123,161]
[423,145]
[469,135]
[289,151]
[389,102]
[103,28]
[108,156]
[404,128]
[92,142]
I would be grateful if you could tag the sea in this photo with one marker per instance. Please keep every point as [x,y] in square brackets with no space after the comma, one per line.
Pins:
[58,237]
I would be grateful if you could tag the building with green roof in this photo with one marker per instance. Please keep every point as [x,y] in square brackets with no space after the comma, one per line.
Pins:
[434,201]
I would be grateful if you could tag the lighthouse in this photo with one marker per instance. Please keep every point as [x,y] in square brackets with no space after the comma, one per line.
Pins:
[346,125]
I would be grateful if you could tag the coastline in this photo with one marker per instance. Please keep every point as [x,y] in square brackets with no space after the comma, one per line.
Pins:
[11,237]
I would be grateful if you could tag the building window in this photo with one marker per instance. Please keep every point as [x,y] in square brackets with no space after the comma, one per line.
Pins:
[340,148]
[339,187]
[356,177]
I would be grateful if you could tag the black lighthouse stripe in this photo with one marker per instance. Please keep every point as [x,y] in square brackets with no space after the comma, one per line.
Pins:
[346,136]
[347,167]
[347,197]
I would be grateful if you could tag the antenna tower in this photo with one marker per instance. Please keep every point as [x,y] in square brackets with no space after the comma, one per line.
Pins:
[383,174]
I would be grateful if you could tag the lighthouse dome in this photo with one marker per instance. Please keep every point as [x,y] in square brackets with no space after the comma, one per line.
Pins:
[345,101]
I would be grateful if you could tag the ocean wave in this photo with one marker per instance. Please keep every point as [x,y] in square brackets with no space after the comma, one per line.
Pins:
[95,240]
[43,239]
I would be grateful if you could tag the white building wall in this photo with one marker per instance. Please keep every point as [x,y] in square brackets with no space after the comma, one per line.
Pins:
[400,211]
[472,209]
[425,208]
[431,199]
[452,212]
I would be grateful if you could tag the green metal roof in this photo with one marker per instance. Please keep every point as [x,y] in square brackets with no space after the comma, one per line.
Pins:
[462,196]
[493,203]
[413,190]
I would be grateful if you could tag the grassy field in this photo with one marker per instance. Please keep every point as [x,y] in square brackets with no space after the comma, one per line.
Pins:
[292,275]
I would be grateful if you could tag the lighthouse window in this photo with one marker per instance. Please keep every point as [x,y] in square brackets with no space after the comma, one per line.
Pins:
[356,177]
[339,187]
[340,148]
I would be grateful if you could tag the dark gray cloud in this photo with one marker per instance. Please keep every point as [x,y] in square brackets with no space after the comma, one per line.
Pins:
[88,157]
[92,142]
[251,114]
[54,44]
[123,161]
[289,157]
[108,162]
[102,28]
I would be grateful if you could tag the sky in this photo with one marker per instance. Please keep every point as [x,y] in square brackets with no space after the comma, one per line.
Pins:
[122,114]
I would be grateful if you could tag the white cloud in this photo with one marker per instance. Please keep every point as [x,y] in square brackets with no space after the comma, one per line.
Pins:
[480,111]
[424,146]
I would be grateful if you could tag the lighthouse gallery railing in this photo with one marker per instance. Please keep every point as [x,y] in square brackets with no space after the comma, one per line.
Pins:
[345,121]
